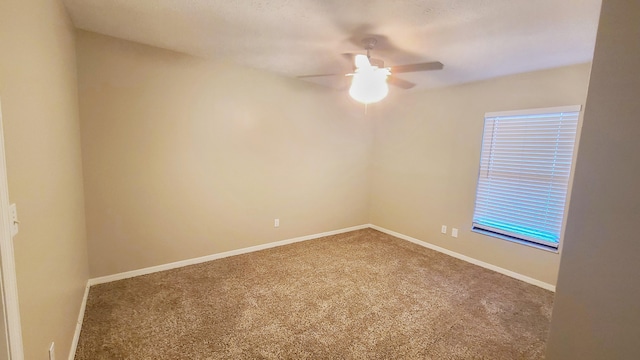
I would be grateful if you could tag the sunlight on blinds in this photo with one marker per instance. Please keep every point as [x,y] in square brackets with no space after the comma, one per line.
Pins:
[524,174]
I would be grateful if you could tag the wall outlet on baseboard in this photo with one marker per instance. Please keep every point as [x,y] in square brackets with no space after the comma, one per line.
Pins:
[276,222]
[444,229]
[52,351]
[454,232]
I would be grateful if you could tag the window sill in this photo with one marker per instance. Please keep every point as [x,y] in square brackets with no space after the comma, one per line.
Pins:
[515,240]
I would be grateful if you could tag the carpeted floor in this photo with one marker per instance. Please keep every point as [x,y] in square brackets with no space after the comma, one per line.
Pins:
[359,295]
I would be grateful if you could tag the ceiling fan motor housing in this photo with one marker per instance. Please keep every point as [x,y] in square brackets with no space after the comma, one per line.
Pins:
[369,43]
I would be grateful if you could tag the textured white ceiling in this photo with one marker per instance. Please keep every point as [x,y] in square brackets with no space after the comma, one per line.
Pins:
[475,39]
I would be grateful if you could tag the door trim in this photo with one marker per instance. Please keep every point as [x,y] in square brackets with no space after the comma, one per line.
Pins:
[9,280]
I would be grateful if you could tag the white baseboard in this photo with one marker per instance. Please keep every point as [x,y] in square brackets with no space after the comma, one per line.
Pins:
[198,260]
[76,335]
[468,259]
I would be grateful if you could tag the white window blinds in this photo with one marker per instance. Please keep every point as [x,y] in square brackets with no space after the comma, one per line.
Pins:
[524,174]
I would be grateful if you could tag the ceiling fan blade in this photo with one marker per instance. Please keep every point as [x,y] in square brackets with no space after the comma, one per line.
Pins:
[404,84]
[317,75]
[435,65]
[377,62]
[349,57]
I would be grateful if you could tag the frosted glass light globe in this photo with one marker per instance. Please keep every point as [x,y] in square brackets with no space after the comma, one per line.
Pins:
[369,85]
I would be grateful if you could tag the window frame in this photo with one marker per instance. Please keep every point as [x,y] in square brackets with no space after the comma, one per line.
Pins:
[519,238]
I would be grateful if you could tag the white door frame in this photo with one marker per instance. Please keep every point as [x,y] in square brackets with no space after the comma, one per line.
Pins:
[9,282]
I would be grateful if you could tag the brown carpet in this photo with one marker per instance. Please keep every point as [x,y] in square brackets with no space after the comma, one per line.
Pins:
[359,295]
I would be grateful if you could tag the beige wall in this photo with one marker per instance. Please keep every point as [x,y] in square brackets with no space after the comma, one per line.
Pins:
[184,157]
[38,90]
[597,308]
[426,157]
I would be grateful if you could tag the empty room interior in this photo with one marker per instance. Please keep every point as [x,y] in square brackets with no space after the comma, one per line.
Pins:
[311,179]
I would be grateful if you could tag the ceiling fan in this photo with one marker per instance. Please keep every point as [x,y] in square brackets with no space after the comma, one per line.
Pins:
[370,77]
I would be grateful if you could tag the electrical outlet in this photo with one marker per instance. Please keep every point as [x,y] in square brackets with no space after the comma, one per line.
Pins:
[454,232]
[444,229]
[52,351]
[276,223]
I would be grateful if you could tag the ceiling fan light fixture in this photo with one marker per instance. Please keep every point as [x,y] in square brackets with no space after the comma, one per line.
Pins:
[370,81]
[369,85]
[362,61]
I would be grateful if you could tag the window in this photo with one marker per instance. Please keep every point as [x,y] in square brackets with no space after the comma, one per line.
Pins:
[525,167]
